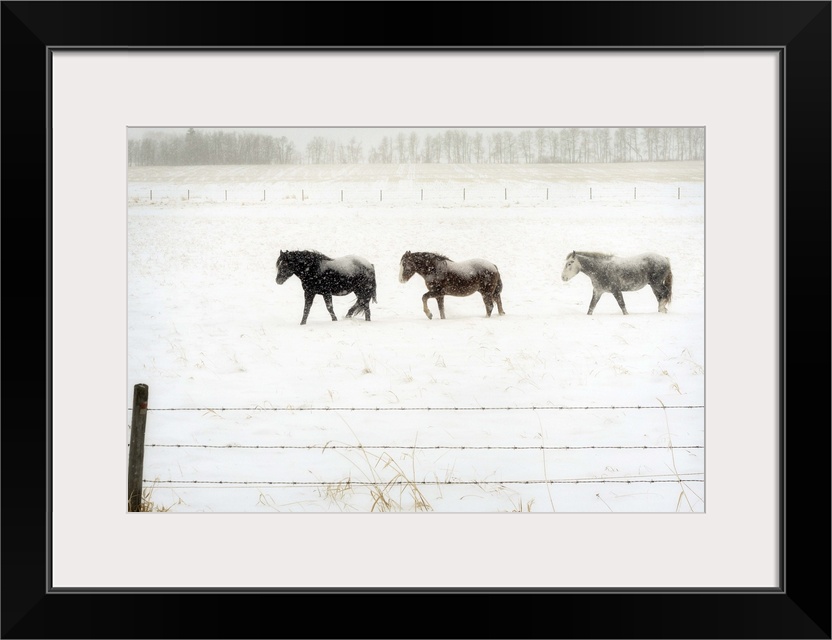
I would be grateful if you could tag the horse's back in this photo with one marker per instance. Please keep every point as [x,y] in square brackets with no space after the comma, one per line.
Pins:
[655,260]
[350,265]
[471,267]
[642,261]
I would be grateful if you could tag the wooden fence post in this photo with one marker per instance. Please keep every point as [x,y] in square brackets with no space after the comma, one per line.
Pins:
[135,464]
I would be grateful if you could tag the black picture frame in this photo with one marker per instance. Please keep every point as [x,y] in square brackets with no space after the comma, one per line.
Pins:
[799,31]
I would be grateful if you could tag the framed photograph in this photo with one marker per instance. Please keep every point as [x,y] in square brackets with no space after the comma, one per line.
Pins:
[604,445]
[540,410]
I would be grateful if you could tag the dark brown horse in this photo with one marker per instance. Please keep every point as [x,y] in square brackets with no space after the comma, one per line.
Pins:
[613,274]
[444,277]
[320,274]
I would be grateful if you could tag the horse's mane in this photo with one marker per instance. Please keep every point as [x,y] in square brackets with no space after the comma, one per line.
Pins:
[428,254]
[306,254]
[594,254]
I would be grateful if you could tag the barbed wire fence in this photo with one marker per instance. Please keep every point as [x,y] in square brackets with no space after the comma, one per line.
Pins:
[137,448]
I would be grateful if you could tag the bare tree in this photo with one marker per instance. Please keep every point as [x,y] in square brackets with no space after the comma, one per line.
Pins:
[354,151]
[495,148]
[315,150]
[540,144]
[553,138]
[401,148]
[477,147]
[385,150]
[413,147]
[524,139]
[569,144]
[510,147]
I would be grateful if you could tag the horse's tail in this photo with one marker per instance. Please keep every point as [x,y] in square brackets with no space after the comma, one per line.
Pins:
[373,291]
[499,288]
[668,282]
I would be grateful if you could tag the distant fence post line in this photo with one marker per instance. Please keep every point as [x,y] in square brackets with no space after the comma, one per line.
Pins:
[135,462]
[519,194]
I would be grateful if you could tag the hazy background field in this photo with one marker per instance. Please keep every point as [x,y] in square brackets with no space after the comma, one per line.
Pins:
[543,409]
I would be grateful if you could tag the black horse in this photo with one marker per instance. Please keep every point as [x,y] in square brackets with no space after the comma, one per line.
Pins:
[444,277]
[613,274]
[329,277]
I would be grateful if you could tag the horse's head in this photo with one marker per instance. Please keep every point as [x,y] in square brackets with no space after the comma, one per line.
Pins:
[406,267]
[571,267]
[284,270]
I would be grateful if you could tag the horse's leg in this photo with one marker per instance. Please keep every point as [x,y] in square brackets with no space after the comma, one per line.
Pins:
[499,304]
[619,297]
[366,304]
[328,303]
[440,300]
[425,305]
[353,309]
[596,295]
[489,304]
[308,297]
[662,296]
[658,293]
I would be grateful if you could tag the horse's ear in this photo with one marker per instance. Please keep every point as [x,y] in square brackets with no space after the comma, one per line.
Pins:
[407,253]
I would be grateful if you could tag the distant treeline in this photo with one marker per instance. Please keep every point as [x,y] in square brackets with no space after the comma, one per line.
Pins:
[512,146]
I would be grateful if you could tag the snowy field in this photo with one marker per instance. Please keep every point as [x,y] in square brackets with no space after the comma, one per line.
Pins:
[543,409]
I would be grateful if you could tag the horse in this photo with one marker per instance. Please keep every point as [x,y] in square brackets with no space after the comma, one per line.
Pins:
[612,274]
[320,274]
[444,277]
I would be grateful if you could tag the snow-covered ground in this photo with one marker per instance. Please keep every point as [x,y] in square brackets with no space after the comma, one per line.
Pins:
[543,409]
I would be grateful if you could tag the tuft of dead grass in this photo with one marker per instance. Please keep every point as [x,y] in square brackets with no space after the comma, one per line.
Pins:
[149,506]
[391,488]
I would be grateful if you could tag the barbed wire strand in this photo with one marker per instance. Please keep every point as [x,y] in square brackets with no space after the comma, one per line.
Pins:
[528,408]
[353,483]
[419,447]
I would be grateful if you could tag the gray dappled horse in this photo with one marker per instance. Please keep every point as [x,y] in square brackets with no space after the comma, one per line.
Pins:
[444,276]
[612,274]
[329,277]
